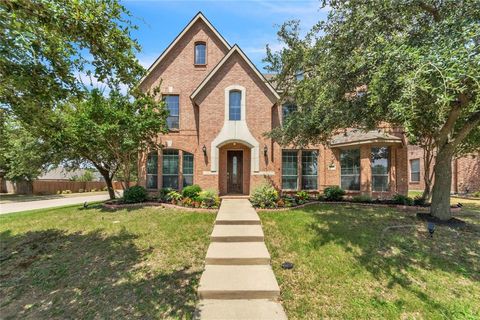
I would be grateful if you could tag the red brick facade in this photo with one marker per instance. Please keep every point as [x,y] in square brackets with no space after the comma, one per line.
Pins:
[465,172]
[204,121]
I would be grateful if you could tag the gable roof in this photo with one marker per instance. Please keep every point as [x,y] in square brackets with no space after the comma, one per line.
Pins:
[234,49]
[356,137]
[198,16]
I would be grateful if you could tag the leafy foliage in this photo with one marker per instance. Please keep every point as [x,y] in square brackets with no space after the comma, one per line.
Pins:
[135,194]
[401,199]
[174,196]
[191,191]
[264,196]
[362,198]
[22,155]
[302,196]
[163,194]
[49,46]
[209,199]
[334,193]
[409,63]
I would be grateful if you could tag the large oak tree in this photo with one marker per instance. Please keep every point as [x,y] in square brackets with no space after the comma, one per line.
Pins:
[414,63]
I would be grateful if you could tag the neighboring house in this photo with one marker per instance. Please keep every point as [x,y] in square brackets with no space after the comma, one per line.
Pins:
[220,107]
[61,174]
[465,171]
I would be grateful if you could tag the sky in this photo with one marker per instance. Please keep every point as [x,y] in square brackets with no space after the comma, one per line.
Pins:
[249,23]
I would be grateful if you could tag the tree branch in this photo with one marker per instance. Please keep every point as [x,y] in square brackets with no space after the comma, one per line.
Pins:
[431,10]
[471,124]
[449,124]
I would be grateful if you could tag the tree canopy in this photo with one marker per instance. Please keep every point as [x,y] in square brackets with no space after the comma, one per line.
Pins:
[48,47]
[412,63]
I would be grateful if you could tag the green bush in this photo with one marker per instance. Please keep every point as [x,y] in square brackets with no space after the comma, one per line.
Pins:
[208,199]
[163,194]
[191,191]
[289,201]
[174,196]
[419,201]
[362,198]
[264,196]
[302,196]
[476,194]
[135,194]
[403,200]
[334,193]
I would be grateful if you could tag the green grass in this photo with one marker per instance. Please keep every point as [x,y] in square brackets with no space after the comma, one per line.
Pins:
[10,197]
[74,263]
[348,266]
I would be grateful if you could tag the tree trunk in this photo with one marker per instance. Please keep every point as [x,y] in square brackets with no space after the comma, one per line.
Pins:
[108,180]
[440,207]
[427,177]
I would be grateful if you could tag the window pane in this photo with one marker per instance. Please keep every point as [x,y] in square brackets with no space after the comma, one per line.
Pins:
[287,109]
[187,169]
[152,163]
[309,170]
[200,53]
[152,181]
[152,170]
[235,101]
[170,169]
[380,168]
[289,170]
[415,170]
[350,169]
[172,102]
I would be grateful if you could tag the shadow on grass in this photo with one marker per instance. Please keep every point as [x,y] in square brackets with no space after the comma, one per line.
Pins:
[53,273]
[395,253]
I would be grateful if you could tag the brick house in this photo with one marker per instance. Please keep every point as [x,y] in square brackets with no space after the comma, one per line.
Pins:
[220,107]
[465,171]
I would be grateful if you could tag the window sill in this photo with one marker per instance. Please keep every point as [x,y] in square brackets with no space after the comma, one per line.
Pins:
[200,66]
[415,182]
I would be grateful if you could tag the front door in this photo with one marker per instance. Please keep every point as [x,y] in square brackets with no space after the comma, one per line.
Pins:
[234,171]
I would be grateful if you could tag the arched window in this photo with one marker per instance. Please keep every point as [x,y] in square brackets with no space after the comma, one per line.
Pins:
[234,105]
[200,53]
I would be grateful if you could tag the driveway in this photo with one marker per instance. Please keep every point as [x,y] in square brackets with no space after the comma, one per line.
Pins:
[18,206]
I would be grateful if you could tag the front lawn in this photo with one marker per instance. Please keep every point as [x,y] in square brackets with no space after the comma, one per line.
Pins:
[349,265]
[85,264]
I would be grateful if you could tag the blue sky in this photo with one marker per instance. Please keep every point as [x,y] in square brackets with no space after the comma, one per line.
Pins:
[249,23]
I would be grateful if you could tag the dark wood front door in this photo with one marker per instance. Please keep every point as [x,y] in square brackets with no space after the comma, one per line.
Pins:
[234,171]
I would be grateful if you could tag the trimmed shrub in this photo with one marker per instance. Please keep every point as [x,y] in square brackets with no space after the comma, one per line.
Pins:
[191,191]
[476,194]
[334,193]
[402,200]
[81,190]
[362,198]
[289,201]
[302,196]
[163,194]
[135,194]
[208,199]
[264,196]
[419,201]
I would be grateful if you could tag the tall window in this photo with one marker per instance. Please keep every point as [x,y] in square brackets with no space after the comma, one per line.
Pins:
[200,53]
[309,170]
[415,170]
[350,169]
[380,168]
[187,169]
[170,169]
[289,170]
[172,102]
[234,104]
[152,170]
[287,109]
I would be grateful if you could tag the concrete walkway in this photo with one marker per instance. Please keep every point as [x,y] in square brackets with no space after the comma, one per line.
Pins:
[43,204]
[238,281]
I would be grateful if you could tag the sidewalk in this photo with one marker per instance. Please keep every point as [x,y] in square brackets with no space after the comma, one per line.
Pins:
[10,207]
[238,281]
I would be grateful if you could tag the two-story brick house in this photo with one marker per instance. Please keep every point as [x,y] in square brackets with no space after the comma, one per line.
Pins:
[220,107]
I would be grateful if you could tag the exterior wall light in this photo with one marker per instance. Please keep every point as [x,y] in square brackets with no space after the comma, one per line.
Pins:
[204,149]
[265,150]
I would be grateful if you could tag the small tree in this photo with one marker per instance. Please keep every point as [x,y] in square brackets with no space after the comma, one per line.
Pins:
[410,63]
[109,131]
[23,156]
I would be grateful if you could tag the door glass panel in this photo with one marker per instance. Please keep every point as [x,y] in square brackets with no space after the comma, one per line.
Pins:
[234,169]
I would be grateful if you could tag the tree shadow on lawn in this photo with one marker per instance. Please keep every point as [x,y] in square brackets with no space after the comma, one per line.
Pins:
[395,253]
[52,273]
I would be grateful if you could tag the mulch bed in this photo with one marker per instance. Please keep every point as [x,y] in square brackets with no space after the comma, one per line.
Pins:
[118,206]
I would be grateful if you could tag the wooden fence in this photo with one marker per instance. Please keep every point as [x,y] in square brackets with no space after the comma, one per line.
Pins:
[56,186]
